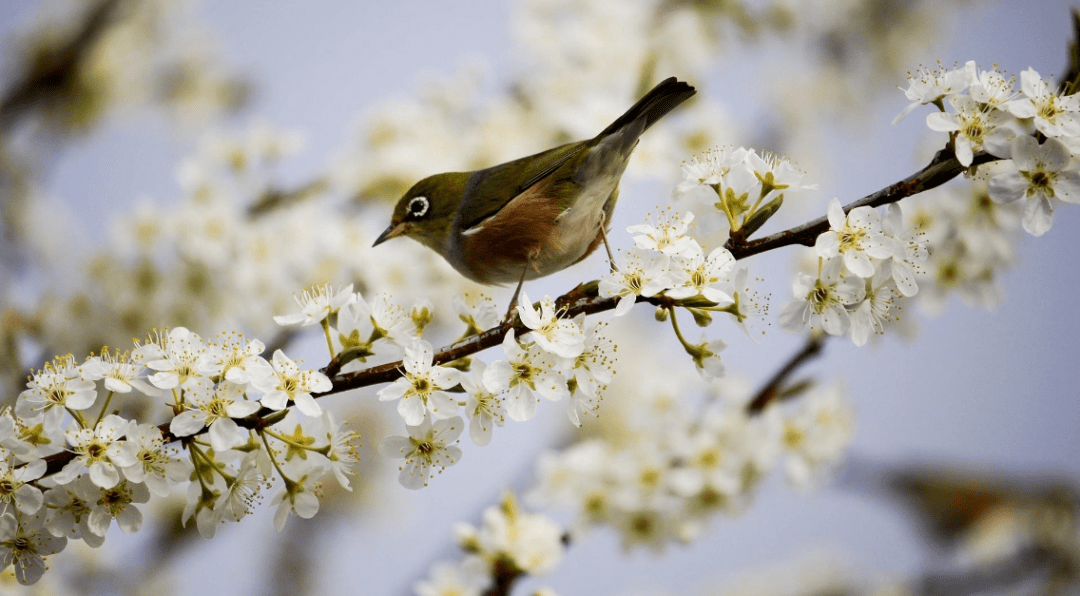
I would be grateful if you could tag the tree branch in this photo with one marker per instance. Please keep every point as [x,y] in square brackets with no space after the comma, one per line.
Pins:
[51,73]
[775,386]
[585,299]
[942,168]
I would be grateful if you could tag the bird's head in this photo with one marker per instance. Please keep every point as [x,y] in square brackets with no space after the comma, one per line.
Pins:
[426,212]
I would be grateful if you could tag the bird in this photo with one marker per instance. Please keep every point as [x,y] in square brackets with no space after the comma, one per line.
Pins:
[532,216]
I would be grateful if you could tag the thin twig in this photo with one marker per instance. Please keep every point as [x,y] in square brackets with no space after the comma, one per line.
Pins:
[774,386]
[52,73]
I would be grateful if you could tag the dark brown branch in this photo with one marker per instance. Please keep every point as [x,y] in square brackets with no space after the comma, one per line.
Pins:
[50,74]
[942,168]
[776,384]
[585,299]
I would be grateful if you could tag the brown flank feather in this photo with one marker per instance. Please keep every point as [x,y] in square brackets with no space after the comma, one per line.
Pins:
[514,235]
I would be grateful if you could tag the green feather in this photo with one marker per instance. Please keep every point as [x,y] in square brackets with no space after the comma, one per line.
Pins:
[489,190]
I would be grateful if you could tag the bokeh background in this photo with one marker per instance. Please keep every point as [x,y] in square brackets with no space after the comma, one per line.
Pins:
[987,391]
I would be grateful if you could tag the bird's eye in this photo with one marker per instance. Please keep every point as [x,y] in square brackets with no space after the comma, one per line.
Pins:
[418,207]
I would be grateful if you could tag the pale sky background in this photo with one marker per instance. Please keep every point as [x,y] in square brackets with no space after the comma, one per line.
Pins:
[994,391]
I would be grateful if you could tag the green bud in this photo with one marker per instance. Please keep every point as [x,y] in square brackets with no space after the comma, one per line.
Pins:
[462,364]
[350,353]
[702,317]
[762,215]
[661,314]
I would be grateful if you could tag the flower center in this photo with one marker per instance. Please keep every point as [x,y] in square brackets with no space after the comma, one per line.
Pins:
[57,395]
[1040,182]
[820,299]
[21,545]
[95,451]
[524,372]
[1048,110]
[698,279]
[793,436]
[974,130]
[850,238]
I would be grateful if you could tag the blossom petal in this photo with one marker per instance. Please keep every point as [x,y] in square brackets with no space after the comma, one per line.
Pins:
[1009,187]
[442,405]
[307,405]
[1038,216]
[130,519]
[187,423]
[225,434]
[412,409]
[104,475]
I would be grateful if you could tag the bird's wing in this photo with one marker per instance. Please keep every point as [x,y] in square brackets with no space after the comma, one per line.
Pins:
[490,190]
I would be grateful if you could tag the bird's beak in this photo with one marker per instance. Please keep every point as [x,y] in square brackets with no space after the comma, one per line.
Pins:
[391,232]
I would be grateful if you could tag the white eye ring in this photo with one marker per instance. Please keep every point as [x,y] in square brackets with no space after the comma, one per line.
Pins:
[418,206]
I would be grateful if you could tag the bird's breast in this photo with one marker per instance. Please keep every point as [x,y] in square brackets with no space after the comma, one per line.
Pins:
[535,234]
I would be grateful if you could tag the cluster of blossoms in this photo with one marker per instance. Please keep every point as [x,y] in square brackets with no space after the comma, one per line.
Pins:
[509,542]
[227,252]
[974,239]
[738,189]
[557,360]
[986,113]
[667,261]
[671,475]
[866,264]
[228,406]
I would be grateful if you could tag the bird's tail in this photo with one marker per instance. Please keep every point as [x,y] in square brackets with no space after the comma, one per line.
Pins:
[663,98]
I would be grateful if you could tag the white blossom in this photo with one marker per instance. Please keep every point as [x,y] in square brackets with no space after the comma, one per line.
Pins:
[182,360]
[100,449]
[14,488]
[429,447]
[668,236]
[422,388]
[932,86]
[821,301]
[977,128]
[695,274]
[285,382]
[856,236]
[468,577]
[561,337]
[870,315]
[483,407]
[59,384]
[318,303]
[908,251]
[25,545]
[525,375]
[216,407]
[300,496]
[1054,115]
[642,273]
[1044,174]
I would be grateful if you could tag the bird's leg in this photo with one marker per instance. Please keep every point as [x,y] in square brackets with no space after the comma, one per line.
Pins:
[607,247]
[517,291]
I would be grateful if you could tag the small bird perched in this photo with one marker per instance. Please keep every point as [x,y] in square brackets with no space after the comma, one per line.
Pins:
[533,216]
